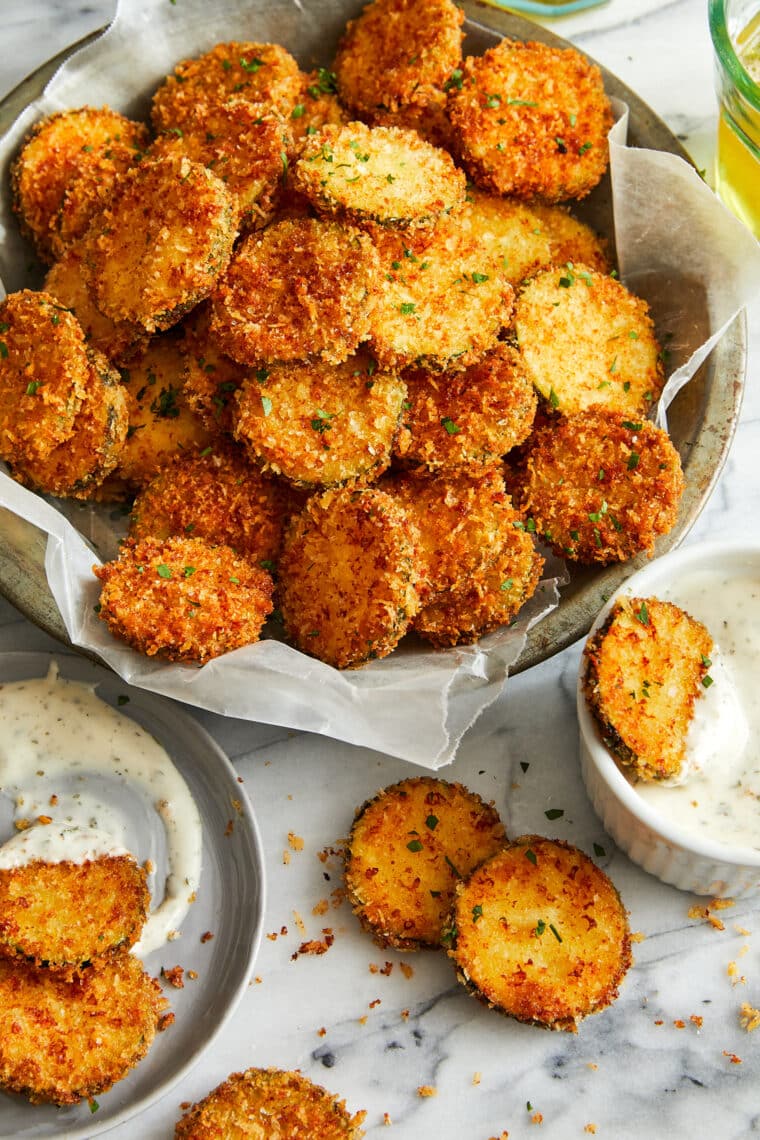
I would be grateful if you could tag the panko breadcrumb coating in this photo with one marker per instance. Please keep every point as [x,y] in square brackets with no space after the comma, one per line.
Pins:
[210,377]
[587,341]
[398,52]
[320,425]
[264,1104]
[510,228]
[66,915]
[539,932]
[62,1042]
[407,848]
[88,192]
[531,121]
[183,599]
[318,106]
[571,239]
[600,487]
[302,288]
[645,669]
[342,539]
[431,122]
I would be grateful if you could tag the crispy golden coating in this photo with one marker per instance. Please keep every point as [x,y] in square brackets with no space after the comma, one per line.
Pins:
[210,378]
[445,296]
[490,599]
[320,425]
[512,229]
[318,106]
[586,341]
[430,121]
[217,495]
[572,240]
[183,599]
[539,932]
[68,915]
[89,192]
[467,419]
[599,487]
[258,73]
[266,1104]
[44,375]
[302,288]
[62,1042]
[57,150]
[531,121]
[407,848]
[398,52]
[386,175]
[348,576]
[160,422]
[158,249]
[645,669]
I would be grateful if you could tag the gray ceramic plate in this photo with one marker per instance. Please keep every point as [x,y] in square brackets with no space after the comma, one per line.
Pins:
[702,419]
[233,868]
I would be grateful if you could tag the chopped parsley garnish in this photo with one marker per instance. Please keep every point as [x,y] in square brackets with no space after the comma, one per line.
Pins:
[477,912]
[530,855]
[633,425]
[599,850]
[450,426]
[122,699]
[642,614]
[454,80]
[554,931]
[188,571]
[507,584]
[431,822]
[521,103]
[493,100]
[540,927]
[525,764]
[479,278]
[414,845]
[407,307]
[298,111]
[554,813]
[452,867]
[33,387]
[251,65]
[633,461]
[3,350]
[707,681]
[163,570]
[553,398]
[165,403]
[321,421]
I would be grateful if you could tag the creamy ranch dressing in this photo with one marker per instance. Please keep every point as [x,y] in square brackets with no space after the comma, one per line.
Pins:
[719,798]
[56,737]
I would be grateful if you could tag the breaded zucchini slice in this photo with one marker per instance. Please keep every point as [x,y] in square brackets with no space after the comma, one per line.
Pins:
[460,516]
[587,341]
[645,670]
[571,239]
[407,849]
[319,425]
[539,932]
[348,576]
[467,419]
[386,175]
[44,375]
[247,146]
[158,249]
[445,297]
[302,288]
[429,120]
[318,106]
[510,228]
[531,121]
[88,193]
[80,464]
[217,495]
[398,52]
[266,1103]
[490,599]
[160,422]
[258,73]
[58,148]
[210,377]
[65,916]
[183,599]
[599,487]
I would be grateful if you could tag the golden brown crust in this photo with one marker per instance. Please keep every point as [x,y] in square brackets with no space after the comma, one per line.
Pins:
[645,670]
[511,229]
[210,377]
[571,239]
[531,121]
[266,1103]
[88,192]
[183,599]
[318,106]
[539,932]
[407,848]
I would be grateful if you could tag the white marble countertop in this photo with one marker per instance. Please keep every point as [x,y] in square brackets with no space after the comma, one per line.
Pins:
[670,1058]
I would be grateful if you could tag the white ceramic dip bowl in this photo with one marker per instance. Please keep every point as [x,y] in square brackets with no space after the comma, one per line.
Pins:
[688,856]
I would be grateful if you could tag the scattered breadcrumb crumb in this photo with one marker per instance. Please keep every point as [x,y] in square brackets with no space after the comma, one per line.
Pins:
[53,800]
[229,828]
[679,1024]
[315,945]
[742,930]
[537,1118]
[737,979]
[695,1019]
[427,1090]
[385,970]
[722,904]
[299,922]
[376,1002]
[174,976]
[732,1057]
[404,1014]
[23,824]
[44,819]
[164,1021]
[322,1032]
[258,979]
[659,1021]
[192,975]
[476,1078]
[363,1019]
[321,907]
[592,1065]
[286,857]
[406,969]
[206,936]
[295,841]
[149,866]
[386,1119]
[638,936]
[749,1017]
[590,1128]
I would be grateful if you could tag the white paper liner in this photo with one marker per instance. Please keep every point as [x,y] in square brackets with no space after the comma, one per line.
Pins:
[417,703]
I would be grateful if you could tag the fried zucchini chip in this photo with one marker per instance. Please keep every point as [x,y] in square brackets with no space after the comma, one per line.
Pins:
[599,487]
[266,1103]
[88,193]
[513,230]
[62,1042]
[386,175]
[217,495]
[210,378]
[183,599]
[407,849]
[445,297]
[348,576]
[65,916]
[398,52]
[44,375]
[58,149]
[318,106]
[467,419]
[539,932]
[303,288]
[587,341]
[160,422]
[320,425]
[258,73]
[158,249]
[572,240]
[531,121]
[645,670]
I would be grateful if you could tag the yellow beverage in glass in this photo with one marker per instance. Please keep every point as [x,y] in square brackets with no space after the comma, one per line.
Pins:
[735,28]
